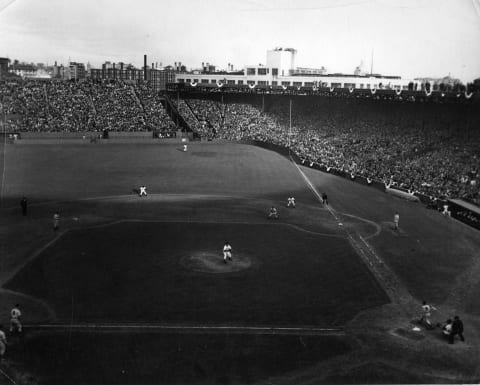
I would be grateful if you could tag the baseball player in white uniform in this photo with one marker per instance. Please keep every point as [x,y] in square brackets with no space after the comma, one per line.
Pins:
[3,342]
[427,313]
[227,252]
[56,221]
[143,191]
[185,144]
[396,219]
[291,202]
[15,319]
[446,211]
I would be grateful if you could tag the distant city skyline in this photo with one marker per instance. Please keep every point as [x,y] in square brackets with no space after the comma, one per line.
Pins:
[410,38]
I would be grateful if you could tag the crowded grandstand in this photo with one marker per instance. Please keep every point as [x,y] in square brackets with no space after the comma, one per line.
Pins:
[425,147]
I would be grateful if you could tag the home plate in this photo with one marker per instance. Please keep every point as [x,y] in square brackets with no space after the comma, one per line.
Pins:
[340,224]
[416,329]
[75,218]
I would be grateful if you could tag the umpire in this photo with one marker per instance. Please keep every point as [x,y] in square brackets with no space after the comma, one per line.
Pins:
[457,328]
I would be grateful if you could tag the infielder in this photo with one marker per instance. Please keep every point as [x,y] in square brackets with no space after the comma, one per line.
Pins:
[291,202]
[273,214]
[143,191]
[227,252]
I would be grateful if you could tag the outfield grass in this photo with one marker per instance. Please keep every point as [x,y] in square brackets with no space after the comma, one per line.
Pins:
[52,172]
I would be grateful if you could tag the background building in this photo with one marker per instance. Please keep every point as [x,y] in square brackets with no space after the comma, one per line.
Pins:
[76,71]
[156,78]
[280,70]
[4,63]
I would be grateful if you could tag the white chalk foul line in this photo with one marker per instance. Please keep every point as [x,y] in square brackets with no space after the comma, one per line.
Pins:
[305,178]
[369,256]
[314,190]
[317,194]
[7,377]
[159,328]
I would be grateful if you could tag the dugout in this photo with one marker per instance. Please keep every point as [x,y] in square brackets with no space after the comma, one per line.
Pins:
[465,212]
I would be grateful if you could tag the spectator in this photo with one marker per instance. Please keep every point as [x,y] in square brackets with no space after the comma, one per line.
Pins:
[434,155]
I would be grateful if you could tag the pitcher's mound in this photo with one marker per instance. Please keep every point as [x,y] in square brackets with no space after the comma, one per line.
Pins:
[208,262]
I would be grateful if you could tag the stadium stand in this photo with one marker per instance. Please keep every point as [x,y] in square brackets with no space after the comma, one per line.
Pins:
[434,153]
[81,106]
[424,148]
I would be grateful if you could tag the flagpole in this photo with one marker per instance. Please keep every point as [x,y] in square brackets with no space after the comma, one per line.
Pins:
[290,125]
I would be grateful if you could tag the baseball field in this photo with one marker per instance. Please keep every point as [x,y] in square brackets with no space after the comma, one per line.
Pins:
[134,290]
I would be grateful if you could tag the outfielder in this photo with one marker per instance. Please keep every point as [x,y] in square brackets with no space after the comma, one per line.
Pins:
[227,252]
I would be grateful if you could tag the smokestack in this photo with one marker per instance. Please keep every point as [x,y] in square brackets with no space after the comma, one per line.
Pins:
[145,67]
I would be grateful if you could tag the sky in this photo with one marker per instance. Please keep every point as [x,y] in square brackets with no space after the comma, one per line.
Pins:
[410,38]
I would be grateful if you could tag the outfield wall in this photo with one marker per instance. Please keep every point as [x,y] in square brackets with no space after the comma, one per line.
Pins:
[87,134]
[460,212]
